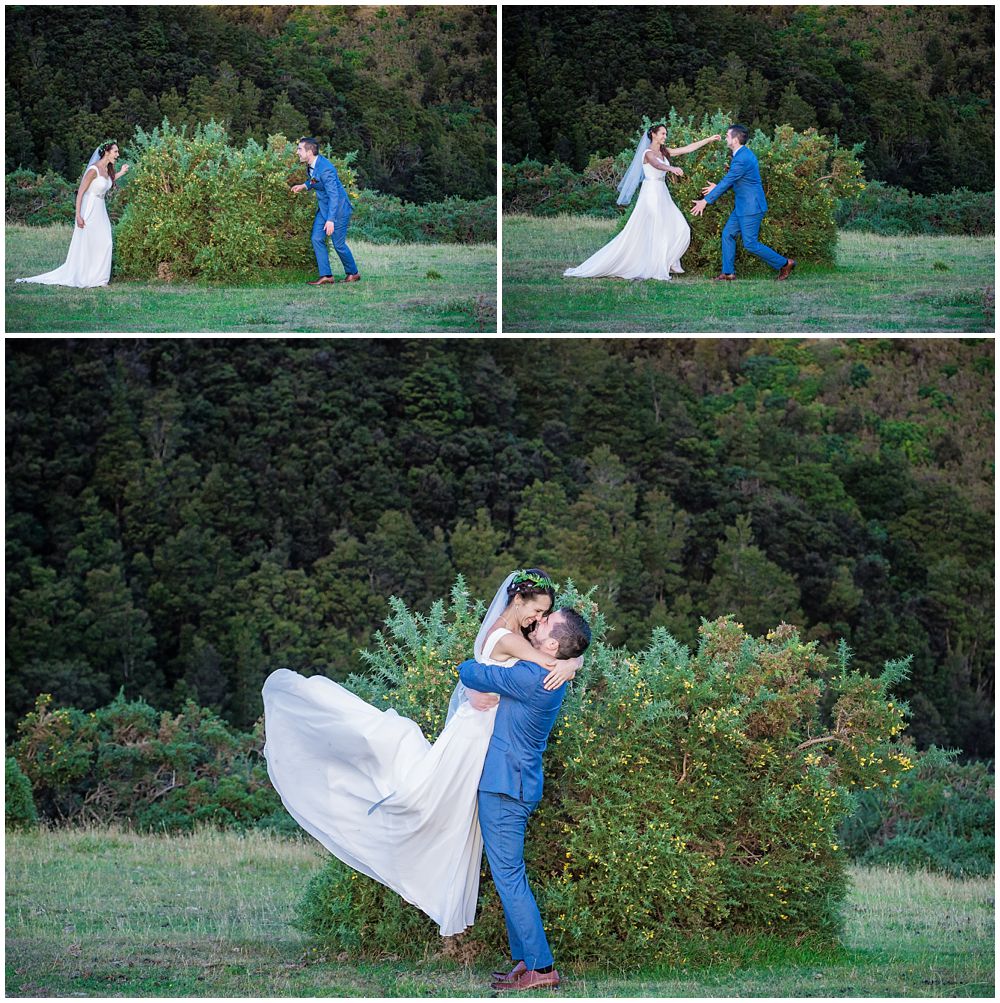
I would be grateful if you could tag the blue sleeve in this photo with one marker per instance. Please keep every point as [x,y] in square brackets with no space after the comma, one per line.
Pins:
[736,171]
[517,681]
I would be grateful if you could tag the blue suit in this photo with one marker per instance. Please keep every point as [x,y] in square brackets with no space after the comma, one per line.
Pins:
[510,789]
[743,177]
[333,206]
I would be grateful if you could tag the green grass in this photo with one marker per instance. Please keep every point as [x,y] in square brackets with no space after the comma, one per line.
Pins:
[395,294]
[883,284]
[104,912]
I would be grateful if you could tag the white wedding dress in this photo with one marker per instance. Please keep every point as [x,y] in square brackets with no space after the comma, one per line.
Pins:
[380,797]
[651,243]
[89,260]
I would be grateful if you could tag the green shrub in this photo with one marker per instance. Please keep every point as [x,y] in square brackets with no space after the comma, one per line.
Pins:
[385,219]
[198,207]
[38,199]
[939,816]
[129,763]
[688,796]
[555,189]
[882,208]
[19,804]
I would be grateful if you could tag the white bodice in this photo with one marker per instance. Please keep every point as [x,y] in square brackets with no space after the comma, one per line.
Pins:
[653,173]
[100,186]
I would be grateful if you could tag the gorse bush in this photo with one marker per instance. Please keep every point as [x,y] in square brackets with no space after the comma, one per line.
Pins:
[131,764]
[198,207]
[18,803]
[385,219]
[38,199]
[688,795]
[942,816]
[881,208]
[554,189]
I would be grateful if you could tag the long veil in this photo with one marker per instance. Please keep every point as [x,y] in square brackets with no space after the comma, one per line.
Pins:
[629,183]
[94,157]
[498,605]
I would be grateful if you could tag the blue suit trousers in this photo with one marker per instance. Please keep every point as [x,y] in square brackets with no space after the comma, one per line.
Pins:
[749,228]
[340,222]
[503,820]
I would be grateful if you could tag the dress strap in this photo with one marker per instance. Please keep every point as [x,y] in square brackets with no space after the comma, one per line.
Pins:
[492,641]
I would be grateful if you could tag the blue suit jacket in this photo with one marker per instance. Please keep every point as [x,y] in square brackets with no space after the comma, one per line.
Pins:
[525,717]
[743,177]
[330,192]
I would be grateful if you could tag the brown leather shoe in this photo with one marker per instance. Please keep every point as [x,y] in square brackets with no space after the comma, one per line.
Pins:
[529,980]
[507,976]
[356,277]
[786,269]
[723,277]
[323,280]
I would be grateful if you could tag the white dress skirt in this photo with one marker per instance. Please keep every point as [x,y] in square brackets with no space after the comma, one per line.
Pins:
[380,797]
[88,262]
[650,244]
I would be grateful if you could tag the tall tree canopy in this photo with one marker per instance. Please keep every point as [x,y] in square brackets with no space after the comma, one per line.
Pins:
[914,83]
[413,89]
[186,515]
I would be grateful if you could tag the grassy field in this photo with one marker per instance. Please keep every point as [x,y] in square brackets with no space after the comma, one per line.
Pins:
[107,913]
[395,294]
[890,284]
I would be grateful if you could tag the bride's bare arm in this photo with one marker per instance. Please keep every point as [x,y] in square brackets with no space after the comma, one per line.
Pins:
[661,165]
[84,185]
[561,670]
[676,151]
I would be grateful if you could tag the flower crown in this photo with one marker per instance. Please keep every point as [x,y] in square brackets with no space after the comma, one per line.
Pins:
[528,580]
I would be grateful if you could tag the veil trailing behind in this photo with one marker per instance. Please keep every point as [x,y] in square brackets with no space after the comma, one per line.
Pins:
[369,786]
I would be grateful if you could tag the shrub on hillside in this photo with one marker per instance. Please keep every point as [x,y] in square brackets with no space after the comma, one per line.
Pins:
[199,207]
[155,771]
[554,189]
[882,208]
[385,219]
[18,803]
[687,795]
[38,199]
[941,817]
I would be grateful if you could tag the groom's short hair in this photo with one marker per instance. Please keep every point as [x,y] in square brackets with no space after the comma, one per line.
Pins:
[740,132]
[312,145]
[572,632]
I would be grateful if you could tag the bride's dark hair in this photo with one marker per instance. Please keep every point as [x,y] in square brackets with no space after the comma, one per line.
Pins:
[531,582]
[101,150]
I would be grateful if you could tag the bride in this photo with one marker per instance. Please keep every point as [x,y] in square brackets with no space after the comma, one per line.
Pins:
[379,796]
[89,260]
[651,243]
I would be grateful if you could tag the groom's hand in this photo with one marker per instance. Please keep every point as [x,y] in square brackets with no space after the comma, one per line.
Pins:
[697,208]
[482,701]
[298,188]
[708,188]
[328,229]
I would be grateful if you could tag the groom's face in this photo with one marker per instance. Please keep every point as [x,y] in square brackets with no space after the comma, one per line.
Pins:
[731,141]
[541,637]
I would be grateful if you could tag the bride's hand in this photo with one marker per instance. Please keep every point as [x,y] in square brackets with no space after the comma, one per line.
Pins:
[712,139]
[79,221]
[124,170]
[679,171]
[564,671]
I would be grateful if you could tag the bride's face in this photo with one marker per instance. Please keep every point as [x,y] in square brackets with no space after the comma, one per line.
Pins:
[659,136]
[530,611]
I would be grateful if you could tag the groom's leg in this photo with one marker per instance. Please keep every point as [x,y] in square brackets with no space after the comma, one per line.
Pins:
[750,227]
[729,234]
[503,820]
[319,246]
[340,224]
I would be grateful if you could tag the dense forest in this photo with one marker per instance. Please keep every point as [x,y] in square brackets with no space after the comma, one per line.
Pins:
[412,89]
[913,83]
[186,515]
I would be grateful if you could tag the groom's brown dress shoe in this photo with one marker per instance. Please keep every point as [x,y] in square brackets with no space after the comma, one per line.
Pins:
[786,269]
[323,280]
[529,980]
[356,277]
[724,277]
[507,976]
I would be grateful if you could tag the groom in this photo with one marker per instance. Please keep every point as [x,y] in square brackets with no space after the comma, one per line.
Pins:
[332,215]
[743,177]
[511,785]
